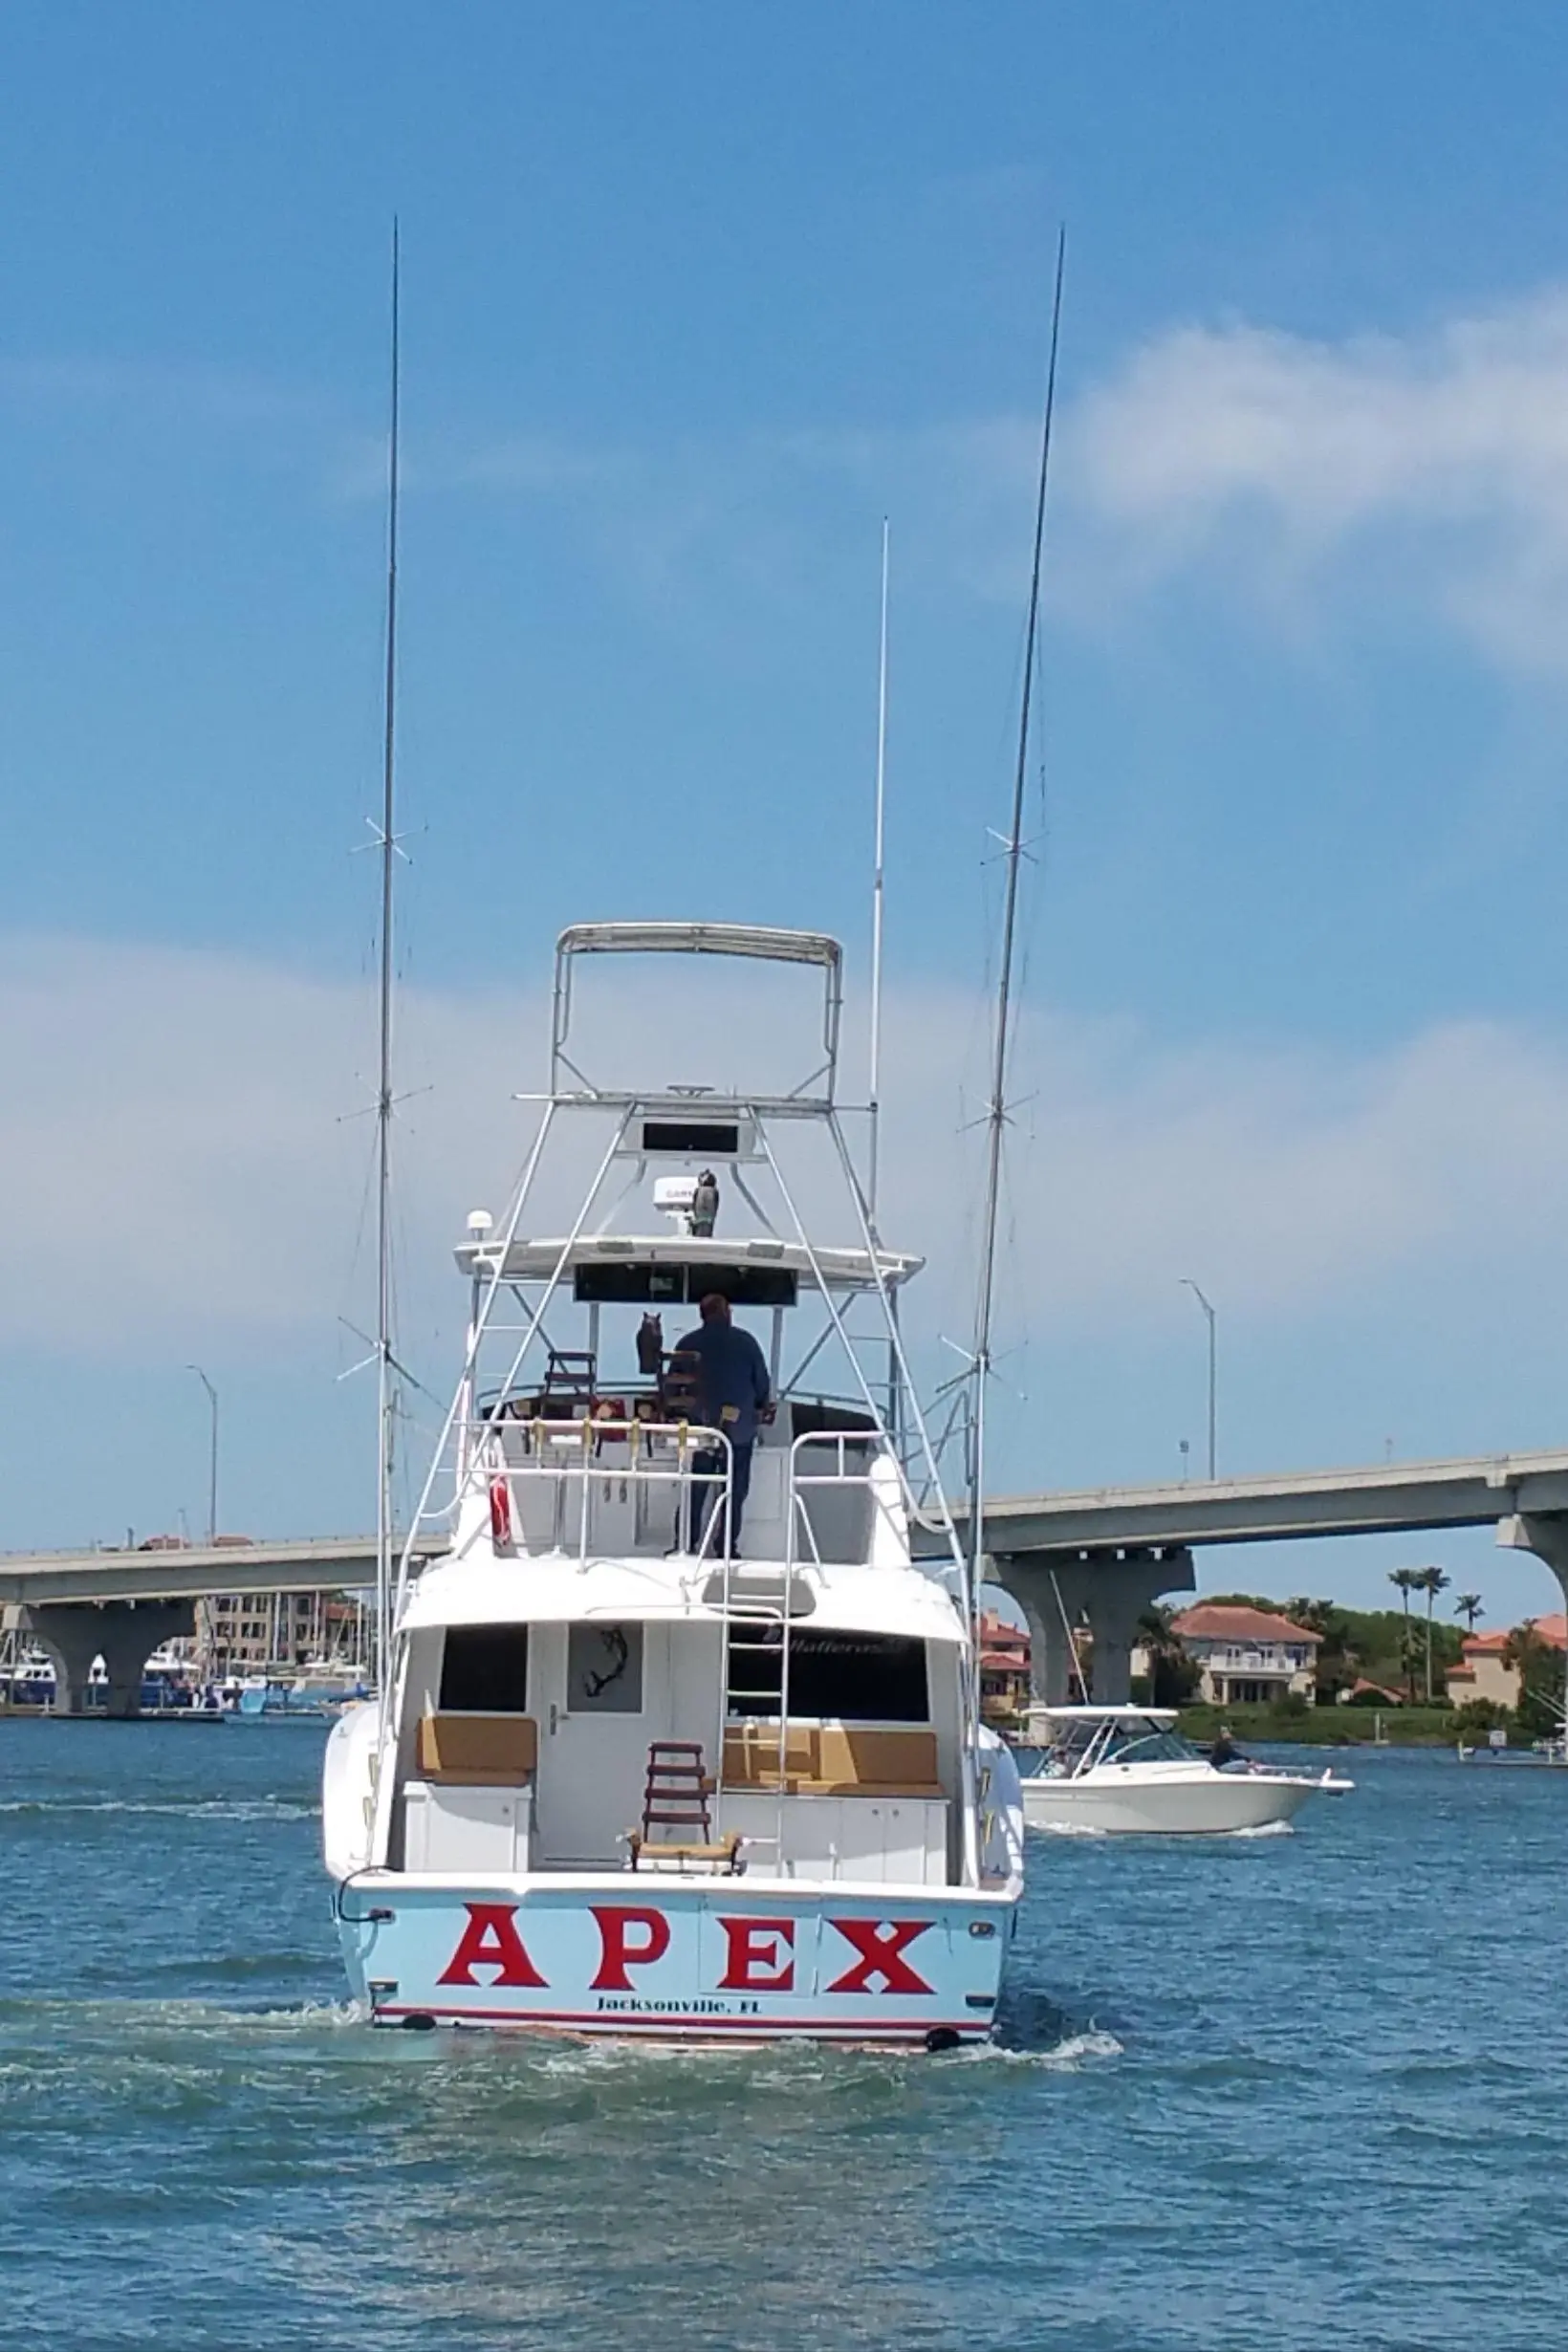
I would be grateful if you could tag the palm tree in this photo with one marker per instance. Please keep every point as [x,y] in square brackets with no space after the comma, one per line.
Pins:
[1173,1676]
[1406,1579]
[1526,1650]
[1468,1605]
[1524,1645]
[1431,1581]
[1334,1659]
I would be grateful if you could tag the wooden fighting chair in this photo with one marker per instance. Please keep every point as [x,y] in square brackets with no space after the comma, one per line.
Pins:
[675,1796]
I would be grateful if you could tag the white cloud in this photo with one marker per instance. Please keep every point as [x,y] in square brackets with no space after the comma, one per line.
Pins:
[1426,470]
[1259,445]
[1302,1180]
[178,1159]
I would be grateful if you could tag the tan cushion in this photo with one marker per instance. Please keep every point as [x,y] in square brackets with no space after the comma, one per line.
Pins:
[751,1754]
[833,1760]
[494,1752]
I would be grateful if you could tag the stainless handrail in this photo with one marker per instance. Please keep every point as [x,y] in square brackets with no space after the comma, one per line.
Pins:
[565,1450]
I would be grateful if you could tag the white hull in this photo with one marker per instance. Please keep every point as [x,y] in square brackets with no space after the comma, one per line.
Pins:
[1200,1802]
[737,1960]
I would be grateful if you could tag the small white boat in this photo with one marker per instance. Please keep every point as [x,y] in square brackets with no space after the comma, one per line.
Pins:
[1126,1771]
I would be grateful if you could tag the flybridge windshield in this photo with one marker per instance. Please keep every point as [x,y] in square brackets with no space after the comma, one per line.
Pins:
[652,1285]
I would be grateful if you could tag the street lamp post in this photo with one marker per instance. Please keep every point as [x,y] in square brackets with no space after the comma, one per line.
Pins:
[212,1455]
[1188,1283]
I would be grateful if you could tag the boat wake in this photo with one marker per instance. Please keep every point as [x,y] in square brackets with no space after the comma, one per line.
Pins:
[1065,2056]
[1267,1829]
[192,1808]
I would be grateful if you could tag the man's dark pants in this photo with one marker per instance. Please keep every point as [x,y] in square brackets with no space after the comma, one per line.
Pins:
[708,1488]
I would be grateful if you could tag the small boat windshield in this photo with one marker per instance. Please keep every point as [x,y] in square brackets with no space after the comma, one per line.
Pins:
[1147,1748]
[1078,1743]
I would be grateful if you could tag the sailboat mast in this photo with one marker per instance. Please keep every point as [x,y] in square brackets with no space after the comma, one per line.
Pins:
[996,1108]
[384,1400]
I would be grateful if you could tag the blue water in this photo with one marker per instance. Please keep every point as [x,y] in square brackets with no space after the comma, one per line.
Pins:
[1292,2092]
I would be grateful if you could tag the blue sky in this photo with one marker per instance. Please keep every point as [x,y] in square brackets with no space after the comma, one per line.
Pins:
[693,296]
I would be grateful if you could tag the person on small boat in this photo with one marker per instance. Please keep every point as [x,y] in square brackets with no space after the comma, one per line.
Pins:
[1224,1751]
[734,1393]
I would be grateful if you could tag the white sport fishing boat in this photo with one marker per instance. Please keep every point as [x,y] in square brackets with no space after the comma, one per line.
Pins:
[624,1778]
[1127,1769]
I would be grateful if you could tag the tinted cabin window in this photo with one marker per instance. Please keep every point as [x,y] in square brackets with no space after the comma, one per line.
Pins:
[853,1677]
[484,1670]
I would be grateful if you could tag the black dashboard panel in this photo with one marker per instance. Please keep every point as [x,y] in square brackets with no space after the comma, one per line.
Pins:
[628,1284]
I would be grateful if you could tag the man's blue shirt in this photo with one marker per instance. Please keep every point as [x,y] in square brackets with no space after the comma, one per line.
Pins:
[733,1379]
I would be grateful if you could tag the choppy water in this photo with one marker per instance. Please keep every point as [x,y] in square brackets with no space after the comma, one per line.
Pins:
[1288,2093]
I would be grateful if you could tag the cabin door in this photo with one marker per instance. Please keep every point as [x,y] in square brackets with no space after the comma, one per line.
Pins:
[595,1748]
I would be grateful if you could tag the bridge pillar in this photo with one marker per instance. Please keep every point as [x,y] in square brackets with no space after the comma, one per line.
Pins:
[1114,1587]
[1545,1533]
[1052,1600]
[1120,1591]
[122,1633]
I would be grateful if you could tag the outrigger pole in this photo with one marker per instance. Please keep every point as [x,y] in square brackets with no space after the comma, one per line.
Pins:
[997,1113]
[384,1399]
[874,1090]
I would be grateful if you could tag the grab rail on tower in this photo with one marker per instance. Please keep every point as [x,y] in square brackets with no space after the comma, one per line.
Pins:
[795,1511]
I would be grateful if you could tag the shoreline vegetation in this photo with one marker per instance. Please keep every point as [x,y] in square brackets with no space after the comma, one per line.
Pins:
[1381,1675]
[1327,1726]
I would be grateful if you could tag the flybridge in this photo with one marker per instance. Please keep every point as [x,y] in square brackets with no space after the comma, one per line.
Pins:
[627,1267]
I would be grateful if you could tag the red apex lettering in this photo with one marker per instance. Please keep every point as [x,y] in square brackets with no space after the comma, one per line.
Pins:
[881,1945]
[617,1953]
[490,1941]
[761,1955]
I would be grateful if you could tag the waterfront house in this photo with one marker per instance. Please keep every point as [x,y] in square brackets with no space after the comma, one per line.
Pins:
[1485,1672]
[1004,1664]
[1248,1657]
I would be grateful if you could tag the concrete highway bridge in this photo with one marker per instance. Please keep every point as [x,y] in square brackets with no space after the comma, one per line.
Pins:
[120,1606]
[1104,1554]
[1108,1553]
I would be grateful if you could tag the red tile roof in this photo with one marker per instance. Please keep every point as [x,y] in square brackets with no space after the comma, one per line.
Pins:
[996,1634]
[1216,1621]
[1552,1630]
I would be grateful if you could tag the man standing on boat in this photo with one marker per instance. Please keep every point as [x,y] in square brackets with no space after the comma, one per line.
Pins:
[734,1393]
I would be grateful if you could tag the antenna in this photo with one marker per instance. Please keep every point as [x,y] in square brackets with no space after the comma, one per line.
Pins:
[384,1400]
[872,1102]
[997,1115]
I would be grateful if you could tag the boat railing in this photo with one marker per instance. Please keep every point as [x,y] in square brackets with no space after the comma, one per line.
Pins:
[850,1539]
[594,1485]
